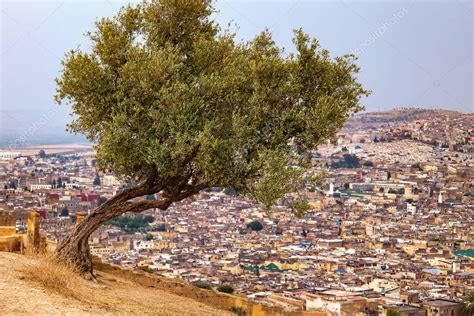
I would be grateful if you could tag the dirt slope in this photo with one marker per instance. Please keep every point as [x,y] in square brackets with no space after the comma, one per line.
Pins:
[110,295]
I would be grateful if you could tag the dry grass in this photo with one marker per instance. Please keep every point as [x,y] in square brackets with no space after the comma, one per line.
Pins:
[110,295]
[59,277]
[63,278]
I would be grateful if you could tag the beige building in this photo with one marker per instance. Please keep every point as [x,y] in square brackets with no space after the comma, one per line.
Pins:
[442,308]
[403,310]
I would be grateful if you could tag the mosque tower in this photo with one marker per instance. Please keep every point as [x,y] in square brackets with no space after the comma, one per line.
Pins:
[331,189]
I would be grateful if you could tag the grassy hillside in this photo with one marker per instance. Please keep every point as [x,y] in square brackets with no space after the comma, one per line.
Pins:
[38,286]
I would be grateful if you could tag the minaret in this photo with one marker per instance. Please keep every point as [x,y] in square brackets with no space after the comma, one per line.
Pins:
[331,189]
[456,265]
[440,198]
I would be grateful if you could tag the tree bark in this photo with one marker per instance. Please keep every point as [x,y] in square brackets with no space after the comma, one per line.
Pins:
[74,248]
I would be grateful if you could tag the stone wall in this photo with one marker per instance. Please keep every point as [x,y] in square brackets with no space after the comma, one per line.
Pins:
[7,218]
[209,297]
[10,241]
[35,241]
[7,223]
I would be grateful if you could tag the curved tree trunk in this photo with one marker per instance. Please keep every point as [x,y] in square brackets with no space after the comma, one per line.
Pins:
[74,248]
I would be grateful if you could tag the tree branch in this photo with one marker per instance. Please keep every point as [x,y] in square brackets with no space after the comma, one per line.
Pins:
[190,190]
[163,204]
[138,207]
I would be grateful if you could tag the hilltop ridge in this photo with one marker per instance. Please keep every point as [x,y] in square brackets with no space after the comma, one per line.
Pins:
[111,295]
[401,115]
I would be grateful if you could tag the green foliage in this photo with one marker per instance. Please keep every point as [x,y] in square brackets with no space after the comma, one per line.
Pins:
[96,179]
[468,305]
[368,164]
[255,226]
[300,207]
[150,197]
[102,200]
[60,184]
[349,161]
[42,154]
[149,237]
[225,288]
[146,269]
[393,313]
[238,311]
[132,224]
[147,218]
[158,228]
[164,90]
[230,191]
[64,212]
[202,285]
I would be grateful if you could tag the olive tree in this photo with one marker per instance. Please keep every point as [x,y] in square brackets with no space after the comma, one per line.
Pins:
[174,105]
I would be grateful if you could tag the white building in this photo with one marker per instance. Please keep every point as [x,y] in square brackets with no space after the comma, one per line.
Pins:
[331,189]
[369,207]
[73,185]
[355,150]
[143,244]
[109,180]
[82,180]
[9,155]
[440,198]
[40,187]
[101,250]
[411,208]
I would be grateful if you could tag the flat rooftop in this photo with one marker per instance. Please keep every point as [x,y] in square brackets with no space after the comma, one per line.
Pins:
[440,303]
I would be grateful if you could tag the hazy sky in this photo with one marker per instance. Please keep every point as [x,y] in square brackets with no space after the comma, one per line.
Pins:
[412,53]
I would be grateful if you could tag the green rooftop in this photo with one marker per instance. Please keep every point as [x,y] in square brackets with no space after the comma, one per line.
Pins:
[464,253]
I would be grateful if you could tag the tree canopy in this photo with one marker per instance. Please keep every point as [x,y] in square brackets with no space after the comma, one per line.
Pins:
[226,288]
[169,97]
[468,305]
[64,212]
[255,226]
[348,161]
[132,224]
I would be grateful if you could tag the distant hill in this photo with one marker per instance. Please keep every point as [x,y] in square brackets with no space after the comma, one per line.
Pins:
[14,139]
[374,120]
[368,120]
